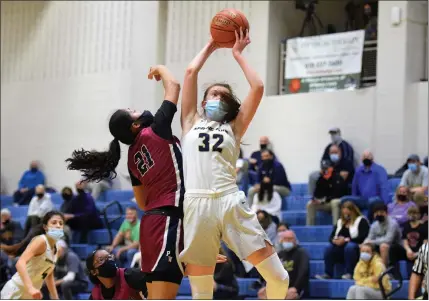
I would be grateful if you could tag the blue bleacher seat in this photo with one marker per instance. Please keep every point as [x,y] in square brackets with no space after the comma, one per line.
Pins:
[119,195]
[299,189]
[83,250]
[184,297]
[21,220]
[394,183]
[298,217]
[116,224]
[6,200]
[296,202]
[313,233]
[100,237]
[83,296]
[315,250]
[57,199]
[20,211]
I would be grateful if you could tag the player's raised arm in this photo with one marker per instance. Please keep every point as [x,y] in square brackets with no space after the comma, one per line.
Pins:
[251,102]
[190,86]
[171,85]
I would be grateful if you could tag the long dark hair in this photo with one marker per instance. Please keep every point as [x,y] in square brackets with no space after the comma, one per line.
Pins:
[266,188]
[228,98]
[97,166]
[19,248]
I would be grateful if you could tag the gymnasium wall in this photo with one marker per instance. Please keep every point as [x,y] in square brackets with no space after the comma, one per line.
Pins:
[67,65]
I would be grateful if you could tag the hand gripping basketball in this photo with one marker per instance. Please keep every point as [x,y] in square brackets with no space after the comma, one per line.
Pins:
[241,41]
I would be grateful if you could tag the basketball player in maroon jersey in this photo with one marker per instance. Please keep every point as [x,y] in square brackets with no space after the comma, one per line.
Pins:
[155,167]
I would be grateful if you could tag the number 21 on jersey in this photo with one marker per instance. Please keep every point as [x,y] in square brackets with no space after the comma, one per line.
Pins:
[205,143]
[143,160]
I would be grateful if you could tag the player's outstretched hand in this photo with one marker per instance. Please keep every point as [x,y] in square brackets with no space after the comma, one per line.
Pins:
[221,258]
[154,72]
[242,39]
[35,293]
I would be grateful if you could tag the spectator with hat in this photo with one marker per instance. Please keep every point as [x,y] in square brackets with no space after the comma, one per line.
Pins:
[345,148]
[416,179]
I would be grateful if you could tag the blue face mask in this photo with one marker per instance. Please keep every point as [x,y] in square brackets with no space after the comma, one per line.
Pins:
[287,245]
[412,166]
[56,234]
[365,256]
[334,157]
[215,110]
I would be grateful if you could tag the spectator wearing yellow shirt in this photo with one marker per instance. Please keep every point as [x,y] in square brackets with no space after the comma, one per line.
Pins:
[126,242]
[366,274]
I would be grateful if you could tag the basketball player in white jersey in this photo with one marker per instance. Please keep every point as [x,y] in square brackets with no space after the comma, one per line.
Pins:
[37,263]
[214,209]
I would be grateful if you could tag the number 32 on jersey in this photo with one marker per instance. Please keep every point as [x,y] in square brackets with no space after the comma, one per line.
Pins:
[205,142]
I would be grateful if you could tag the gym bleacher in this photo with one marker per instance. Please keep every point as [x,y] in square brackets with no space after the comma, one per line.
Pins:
[313,238]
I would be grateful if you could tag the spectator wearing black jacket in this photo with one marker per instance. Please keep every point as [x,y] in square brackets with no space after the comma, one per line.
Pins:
[80,213]
[346,151]
[11,231]
[349,232]
[225,284]
[296,261]
[330,187]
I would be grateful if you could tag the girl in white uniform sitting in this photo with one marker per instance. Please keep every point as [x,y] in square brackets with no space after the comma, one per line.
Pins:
[37,263]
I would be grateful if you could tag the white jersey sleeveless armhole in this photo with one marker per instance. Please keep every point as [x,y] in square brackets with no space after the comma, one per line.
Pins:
[210,152]
[38,268]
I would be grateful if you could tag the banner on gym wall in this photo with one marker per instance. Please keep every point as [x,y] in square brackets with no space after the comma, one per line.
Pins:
[324,63]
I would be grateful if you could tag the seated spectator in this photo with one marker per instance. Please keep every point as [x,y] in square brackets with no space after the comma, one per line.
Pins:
[349,232]
[296,261]
[369,182]
[274,170]
[414,234]
[11,231]
[69,274]
[282,227]
[398,210]
[100,265]
[40,204]
[67,195]
[27,184]
[268,200]
[81,214]
[347,155]
[128,238]
[384,231]
[330,187]
[419,275]
[242,170]
[267,224]
[416,179]
[97,188]
[366,274]
[255,158]
[225,284]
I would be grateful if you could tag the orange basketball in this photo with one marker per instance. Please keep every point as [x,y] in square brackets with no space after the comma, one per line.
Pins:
[225,23]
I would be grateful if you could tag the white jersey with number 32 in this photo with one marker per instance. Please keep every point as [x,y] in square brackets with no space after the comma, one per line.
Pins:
[38,267]
[210,152]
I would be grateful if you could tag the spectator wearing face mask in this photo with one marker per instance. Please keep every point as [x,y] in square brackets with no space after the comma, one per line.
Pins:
[369,182]
[347,155]
[268,200]
[351,230]
[330,188]
[40,204]
[366,274]
[282,227]
[267,224]
[398,210]
[70,278]
[128,237]
[27,184]
[296,261]
[11,231]
[414,234]
[416,179]
[255,158]
[81,214]
[384,231]
[274,170]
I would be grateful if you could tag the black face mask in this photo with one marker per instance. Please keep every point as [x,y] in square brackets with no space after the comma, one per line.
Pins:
[67,197]
[267,163]
[145,119]
[80,191]
[367,162]
[6,222]
[263,146]
[108,269]
[40,195]
[402,197]
[380,218]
